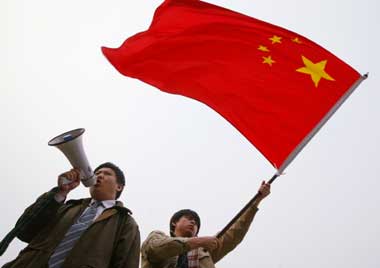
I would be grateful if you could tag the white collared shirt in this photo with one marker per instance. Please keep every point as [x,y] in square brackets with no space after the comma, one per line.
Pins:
[105,204]
[99,210]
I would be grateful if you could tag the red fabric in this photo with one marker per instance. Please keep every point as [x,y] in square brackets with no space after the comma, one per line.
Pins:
[212,54]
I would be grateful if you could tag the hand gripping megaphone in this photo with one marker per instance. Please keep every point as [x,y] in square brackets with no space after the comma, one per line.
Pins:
[70,144]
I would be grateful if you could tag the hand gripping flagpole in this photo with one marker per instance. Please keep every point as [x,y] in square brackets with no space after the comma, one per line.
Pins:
[296,151]
[244,209]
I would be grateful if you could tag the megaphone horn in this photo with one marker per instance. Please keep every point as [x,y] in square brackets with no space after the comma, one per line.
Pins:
[70,144]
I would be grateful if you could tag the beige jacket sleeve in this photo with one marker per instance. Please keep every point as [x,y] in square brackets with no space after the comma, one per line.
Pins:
[234,235]
[158,246]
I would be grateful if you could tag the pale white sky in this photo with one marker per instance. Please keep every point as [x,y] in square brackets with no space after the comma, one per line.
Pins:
[178,153]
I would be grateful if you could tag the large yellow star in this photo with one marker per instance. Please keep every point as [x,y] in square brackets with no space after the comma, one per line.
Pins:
[275,39]
[268,60]
[316,70]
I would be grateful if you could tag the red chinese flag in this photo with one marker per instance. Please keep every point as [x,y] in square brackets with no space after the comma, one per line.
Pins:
[273,85]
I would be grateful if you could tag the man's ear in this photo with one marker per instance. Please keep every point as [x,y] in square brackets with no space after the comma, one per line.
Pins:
[119,187]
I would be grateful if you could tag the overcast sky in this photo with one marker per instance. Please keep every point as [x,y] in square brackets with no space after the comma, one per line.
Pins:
[178,153]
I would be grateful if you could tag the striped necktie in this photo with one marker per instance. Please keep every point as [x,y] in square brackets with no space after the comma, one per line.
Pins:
[58,257]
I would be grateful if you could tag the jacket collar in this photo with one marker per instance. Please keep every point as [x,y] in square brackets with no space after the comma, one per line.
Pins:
[86,201]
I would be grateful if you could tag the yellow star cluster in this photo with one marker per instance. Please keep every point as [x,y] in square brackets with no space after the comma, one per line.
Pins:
[315,70]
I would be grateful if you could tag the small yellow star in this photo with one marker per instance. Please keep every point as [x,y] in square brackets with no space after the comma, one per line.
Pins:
[275,39]
[268,60]
[316,70]
[263,48]
[297,40]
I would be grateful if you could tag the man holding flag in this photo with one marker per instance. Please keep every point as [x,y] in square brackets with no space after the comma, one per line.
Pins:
[184,249]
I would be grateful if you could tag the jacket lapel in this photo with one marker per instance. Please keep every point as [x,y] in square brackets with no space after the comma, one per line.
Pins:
[106,214]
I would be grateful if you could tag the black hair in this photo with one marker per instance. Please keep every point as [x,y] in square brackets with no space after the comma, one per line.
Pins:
[119,174]
[179,214]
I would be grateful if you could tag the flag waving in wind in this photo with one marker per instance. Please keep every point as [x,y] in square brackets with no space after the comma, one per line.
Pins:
[275,86]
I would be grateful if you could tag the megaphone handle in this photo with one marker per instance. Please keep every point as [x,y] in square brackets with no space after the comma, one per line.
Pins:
[67,181]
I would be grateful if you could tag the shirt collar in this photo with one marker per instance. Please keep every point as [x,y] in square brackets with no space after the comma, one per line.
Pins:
[105,203]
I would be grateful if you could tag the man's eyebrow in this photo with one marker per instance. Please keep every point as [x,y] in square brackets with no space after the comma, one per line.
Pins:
[105,171]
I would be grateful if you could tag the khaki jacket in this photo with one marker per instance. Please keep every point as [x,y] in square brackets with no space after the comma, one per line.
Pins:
[161,251]
[112,240]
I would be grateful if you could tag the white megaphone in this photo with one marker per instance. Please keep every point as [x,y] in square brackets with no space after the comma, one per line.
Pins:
[70,143]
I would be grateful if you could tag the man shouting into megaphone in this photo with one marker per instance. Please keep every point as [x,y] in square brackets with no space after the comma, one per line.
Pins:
[90,232]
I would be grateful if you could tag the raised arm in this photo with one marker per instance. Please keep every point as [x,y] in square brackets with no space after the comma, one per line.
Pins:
[42,212]
[230,239]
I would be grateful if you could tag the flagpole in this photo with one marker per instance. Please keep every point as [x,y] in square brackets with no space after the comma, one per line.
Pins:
[321,123]
[296,151]
[241,212]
